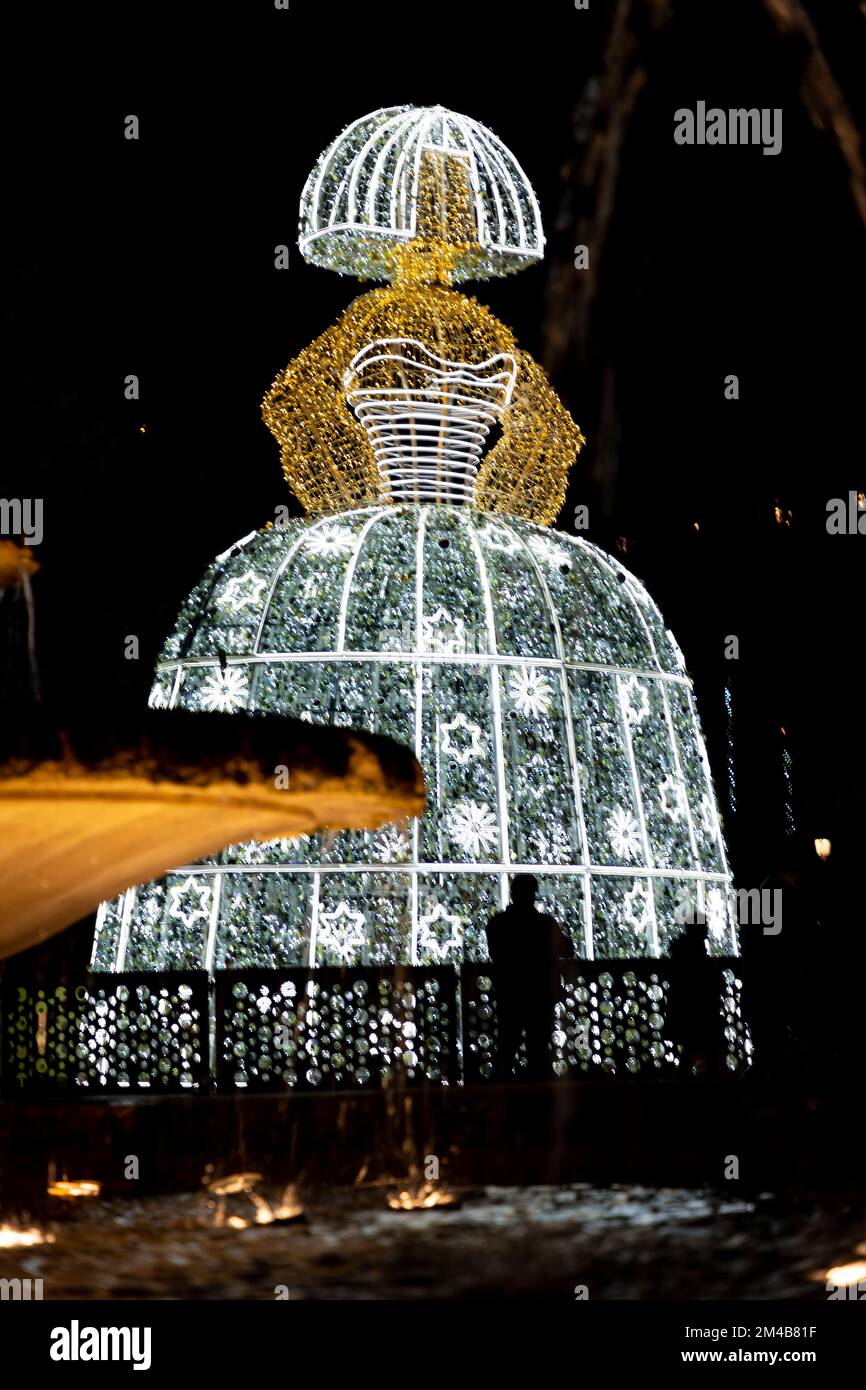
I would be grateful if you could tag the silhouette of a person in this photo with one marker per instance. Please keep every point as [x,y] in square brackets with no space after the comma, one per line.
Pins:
[525,947]
[694,1003]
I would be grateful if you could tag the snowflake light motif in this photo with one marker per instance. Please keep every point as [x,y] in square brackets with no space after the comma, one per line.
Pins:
[461,755]
[440,943]
[436,637]
[530,691]
[330,540]
[624,833]
[242,591]
[637,906]
[392,846]
[342,931]
[635,700]
[189,889]
[549,551]
[672,795]
[224,691]
[473,826]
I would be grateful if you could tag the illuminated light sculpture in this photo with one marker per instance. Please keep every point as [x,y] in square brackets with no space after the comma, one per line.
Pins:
[70,1191]
[424,596]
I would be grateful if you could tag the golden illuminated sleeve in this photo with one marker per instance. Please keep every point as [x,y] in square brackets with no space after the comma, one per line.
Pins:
[326,456]
[526,472]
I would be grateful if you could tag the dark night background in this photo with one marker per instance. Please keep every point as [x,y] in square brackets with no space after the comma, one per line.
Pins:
[156,258]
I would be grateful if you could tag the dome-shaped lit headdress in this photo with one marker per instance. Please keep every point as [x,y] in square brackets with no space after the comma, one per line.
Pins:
[409,173]
[396,401]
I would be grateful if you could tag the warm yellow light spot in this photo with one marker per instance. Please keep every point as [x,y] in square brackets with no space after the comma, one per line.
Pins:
[244,1184]
[845,1275]
[142,429]
[234,1183]
[70,1190]
[11,1238]
[696,526]
[823,847]
[423,1198]
[16,563]
[286,1210]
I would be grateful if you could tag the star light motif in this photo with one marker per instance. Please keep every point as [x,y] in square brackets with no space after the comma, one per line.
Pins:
[452,749]
[473,827]
[224,691]
[330,540]
[637,906]
[242,591]
[435,636]
[635,700]
[192,886]
[392,846]
[342,931]
[440,943]
[624,833]
[530,691]
[672,795]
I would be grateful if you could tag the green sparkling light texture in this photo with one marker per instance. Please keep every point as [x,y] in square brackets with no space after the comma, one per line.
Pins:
[548,705]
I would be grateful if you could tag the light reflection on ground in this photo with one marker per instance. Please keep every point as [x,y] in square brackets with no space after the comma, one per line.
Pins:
[621,1242]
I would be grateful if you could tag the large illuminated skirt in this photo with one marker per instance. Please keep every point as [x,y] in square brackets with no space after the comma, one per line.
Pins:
[547,703]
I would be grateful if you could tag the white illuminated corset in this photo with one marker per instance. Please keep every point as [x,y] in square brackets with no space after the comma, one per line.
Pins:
[427,418]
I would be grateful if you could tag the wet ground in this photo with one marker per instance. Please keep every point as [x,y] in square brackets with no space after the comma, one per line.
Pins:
[622,1242]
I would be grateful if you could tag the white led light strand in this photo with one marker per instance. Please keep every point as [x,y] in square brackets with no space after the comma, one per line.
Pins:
[428,433]
[499,750]
[419,718]
[569,737]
